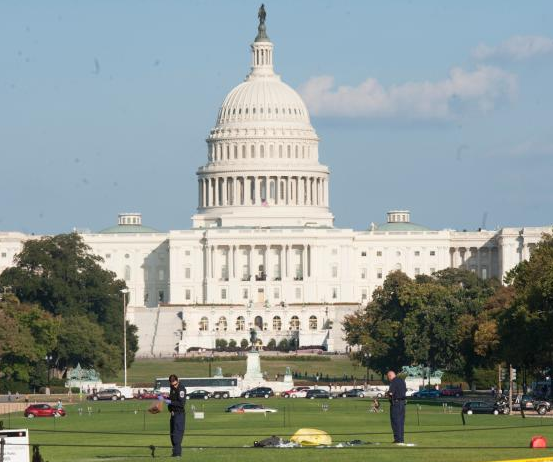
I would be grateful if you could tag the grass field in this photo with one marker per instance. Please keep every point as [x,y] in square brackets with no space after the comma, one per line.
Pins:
[228,437]
[145,370]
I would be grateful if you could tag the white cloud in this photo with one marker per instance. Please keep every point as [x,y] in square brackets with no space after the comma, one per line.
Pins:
[482,88]
[516,48]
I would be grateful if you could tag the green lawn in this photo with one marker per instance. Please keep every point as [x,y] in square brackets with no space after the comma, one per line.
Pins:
[228,437]
[145,370]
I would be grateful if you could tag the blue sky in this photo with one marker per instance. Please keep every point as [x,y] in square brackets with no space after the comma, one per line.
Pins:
[443,108]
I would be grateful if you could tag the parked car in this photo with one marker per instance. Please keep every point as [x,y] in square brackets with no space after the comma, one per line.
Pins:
[244,408]
[108,394]
[354,393]
[42,410]
[296,392]
[480,407]
[542,406]
[452,391]
[409,392]
[318,393]
[527,402]
[258,392]
[147,394]
[198,394]
[376,392]
[426,394]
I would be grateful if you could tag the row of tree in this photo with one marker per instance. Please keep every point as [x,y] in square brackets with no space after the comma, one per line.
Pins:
[60,308]
[457,322]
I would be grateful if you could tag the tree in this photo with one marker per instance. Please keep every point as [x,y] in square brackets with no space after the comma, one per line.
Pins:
[438,321]
[525,326]
[244,344]
[283,345]
[220,344]
[27,335]
[271,345]
[232,343]
[61,275]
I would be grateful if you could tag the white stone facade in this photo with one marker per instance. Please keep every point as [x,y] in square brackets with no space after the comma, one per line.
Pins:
[263,251]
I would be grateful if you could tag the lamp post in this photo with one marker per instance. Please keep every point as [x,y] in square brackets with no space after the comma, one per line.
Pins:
[125,292]
[48,359]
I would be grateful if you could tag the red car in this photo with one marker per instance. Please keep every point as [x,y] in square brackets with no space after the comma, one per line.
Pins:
[43,410]
[296,392]
[452,391]
[145,394]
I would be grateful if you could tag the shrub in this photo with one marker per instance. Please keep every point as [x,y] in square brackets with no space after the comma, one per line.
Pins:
[232,343]
[271,345]
[221,344]
[244,344]
[283,345]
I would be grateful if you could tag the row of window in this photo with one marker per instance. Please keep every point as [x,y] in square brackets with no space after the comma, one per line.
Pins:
[240,324]
[220,152]
[227,112]
[417,253]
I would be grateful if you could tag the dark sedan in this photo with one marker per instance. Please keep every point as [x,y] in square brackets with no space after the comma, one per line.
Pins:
[198,394]
[426,394]
[480,407]
[258,392]
[318,393]
[354,393]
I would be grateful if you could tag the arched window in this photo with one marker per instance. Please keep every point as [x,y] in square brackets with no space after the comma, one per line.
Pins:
[277,323]
[280,151]
[282,186]
[295,323]
[258,322]
[240,323]
[252,151]
[289,151]
[222,325]
[127,273]
[228,152]
[272,189]
[262,151]
[204,324]
[297,150]
[243,151]
[235,152]
[271,151]
[313,322]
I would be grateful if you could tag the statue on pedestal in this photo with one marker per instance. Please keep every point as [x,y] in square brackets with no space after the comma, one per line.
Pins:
[253,338]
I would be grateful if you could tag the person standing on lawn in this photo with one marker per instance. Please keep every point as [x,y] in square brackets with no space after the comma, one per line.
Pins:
[176,402]
[396,395]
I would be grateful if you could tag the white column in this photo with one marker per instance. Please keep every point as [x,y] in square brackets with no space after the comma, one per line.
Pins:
[250,261]
[224,188]
[268,269]
[247,190]
[286,262]
[326,201]
[304,262]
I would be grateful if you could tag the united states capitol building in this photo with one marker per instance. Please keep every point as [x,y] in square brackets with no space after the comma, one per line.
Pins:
[263,251]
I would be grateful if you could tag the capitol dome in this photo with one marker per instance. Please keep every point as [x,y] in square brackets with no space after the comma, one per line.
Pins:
[263,100]
[263,155]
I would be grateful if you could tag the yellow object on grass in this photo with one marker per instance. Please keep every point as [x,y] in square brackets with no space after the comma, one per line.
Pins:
[311,437]
[538,459]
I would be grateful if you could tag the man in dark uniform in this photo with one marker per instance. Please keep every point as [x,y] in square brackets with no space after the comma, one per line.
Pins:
[396,394]
[176,402]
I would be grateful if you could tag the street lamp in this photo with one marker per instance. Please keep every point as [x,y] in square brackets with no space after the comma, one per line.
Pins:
[125,292]
[48,359]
